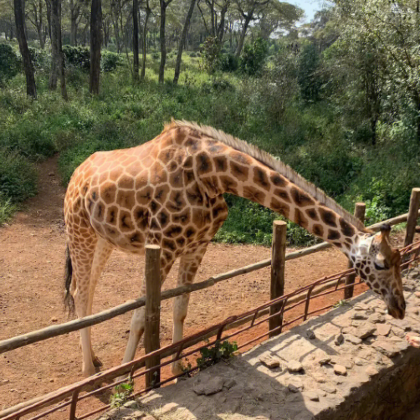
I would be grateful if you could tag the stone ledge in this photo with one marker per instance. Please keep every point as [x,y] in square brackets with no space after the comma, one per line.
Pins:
[370,373]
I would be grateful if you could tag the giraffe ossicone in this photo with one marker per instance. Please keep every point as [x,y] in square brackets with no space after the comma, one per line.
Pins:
[169,192]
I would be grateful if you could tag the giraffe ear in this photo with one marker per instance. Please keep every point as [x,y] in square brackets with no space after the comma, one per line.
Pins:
[392,256]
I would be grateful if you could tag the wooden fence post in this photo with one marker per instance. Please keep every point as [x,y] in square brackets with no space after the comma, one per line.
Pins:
[359,212]
[278,254]
[152,321]
[412,216]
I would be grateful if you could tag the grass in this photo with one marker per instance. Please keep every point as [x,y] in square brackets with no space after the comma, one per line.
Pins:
[311,138]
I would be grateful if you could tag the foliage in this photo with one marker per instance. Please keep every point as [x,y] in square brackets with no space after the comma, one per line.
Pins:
[17,179]
[228,62]
[307,75]
[254,56]
[122,394]
[110,61]
[78,57]
[7,208]
[212,355]
[9,63]
[210,54]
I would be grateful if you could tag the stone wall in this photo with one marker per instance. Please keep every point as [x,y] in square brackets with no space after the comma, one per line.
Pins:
[351,363]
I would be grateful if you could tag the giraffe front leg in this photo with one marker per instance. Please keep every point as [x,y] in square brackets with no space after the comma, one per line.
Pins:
[136,331]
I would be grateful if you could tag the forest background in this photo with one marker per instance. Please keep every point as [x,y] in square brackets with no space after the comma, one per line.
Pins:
[337,98]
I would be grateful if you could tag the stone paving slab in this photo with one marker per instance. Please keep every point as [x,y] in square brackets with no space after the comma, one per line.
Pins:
[354,364]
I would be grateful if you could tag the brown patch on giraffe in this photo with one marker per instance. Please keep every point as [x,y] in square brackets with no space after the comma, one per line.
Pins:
[180,242]
[126,199]
[204,164]
[333,235]
[175,178]
[282,194]
[215,147]
[163,218]
[318,230]
[116,172]
[253,194]
[278,180]
[239,171]
[347,245]
[229,185]
[173,231]
[201,217]
[300,219]
[154,206]
[189,177]
[99,213]
[108,192]
[126,182]
[301,198]
[328,217]
[182,218]
[280,207]
[346,228]
[137,239]
[212,184]
[367,270]
[176,201]
[193,144]
[144,196]
[161,193]
[172,166]
[220,163]
[141,217]
[218,209]
[158,174]
[188,162]
[312,214]
[194,195]
[169,244]
[261,179]
[125,223]
[337,244]
[240,157]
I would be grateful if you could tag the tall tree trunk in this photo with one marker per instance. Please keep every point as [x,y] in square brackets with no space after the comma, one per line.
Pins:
[19,6]
[143,64]
[61,69]
[48,4]
[95,46]
[182,41]
[243,33]
[163,6]
[136,64]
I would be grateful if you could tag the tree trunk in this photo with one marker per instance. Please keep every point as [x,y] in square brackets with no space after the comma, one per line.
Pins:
[48,4]
[243,33]
[182,41]
[136,64]
[19,7]
[163,6]
[61,69]
[95,46]
[143,64]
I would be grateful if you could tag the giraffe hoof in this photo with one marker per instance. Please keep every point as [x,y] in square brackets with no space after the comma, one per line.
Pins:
[88,371]
[97,362]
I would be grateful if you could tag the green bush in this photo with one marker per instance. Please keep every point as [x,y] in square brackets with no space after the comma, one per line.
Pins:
[9,63]
[7,208]
[41,59]
[110,61]
[78,57]
[228,63]
[17,178]
[254,56]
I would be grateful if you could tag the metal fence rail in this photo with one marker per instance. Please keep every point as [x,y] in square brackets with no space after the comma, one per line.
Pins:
[298,298]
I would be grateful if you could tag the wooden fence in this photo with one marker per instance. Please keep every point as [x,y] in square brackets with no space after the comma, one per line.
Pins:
[275,309]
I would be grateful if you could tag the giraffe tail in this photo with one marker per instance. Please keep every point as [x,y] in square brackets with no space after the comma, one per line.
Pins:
[68,272]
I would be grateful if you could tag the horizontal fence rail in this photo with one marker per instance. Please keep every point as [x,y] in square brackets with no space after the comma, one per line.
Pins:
[300,297]
[65,328]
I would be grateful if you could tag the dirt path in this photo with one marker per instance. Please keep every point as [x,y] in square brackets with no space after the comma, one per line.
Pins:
[31,289]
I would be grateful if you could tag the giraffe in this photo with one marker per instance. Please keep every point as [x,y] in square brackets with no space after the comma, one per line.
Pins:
[168,192]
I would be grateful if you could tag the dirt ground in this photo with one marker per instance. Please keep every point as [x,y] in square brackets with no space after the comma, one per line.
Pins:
[31,290]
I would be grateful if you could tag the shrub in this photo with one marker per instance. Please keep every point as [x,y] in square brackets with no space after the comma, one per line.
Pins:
[211,54]
[17,178]
[9,63]
[7,208]
[253,57]
[228,62]
[41,59]
[110,61]
[78,57]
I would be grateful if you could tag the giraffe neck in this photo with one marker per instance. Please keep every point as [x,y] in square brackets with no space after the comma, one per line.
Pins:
[220,169]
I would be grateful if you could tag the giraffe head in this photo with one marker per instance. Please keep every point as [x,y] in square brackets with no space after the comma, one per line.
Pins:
[378,264]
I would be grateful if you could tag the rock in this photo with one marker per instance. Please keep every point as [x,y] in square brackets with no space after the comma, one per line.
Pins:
[356,323]
[311,395]
[390,348]
[328,388]
[352,339]
[295,385]
[371,370]
[270,361]
[293,366]
[340,370]
[383,329]
[417,294]
[210,387]
[53,319]
[319,377]
[358,362]
[376,318]
[310,334]
[359,315]
[365,330]
[339,339]
[324,361]
[229,383]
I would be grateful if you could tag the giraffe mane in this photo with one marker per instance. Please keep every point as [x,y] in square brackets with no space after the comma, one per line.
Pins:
[273,163]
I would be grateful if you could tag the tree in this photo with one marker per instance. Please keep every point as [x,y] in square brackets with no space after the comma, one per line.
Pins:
[136,64]
[182,41]
[95,46]
[148,12]
[36,16]
[19,7]
[163,6]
